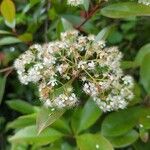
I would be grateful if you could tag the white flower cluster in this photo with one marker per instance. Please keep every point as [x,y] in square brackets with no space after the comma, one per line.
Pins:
[145,2]
[56,65]
[74,2]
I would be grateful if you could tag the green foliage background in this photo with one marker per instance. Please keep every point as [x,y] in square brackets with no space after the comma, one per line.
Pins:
[25,124]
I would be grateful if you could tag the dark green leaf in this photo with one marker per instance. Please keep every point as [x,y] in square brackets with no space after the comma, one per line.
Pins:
[116,37]
[120,122]
[124,140]
[21,106]
[75,119]
[29,135]
[93,142]
[9,41]
[76,21]
[22,121]
[144,50]
[61,125]
[145,73]
[104,33]
[125,9]
[66,24]
[90,113]
[144,119]
[26,37]
[5,32]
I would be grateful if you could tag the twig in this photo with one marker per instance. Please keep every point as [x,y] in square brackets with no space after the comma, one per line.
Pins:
[89,15]
[8,69]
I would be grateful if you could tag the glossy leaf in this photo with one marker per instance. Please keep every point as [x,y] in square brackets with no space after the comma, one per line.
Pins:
[142,53]
[93,142]
[8,11]
[125,9]
[90,114]
[61,125]
[46,117]
[75,119]
[22,121]
[120,122]
[26,37]
[9,41]
[21,106]
[29,135]
[76,21]
[124,140]
[66,24]
[5,32]
[104,33]
[145,73]
[144,119]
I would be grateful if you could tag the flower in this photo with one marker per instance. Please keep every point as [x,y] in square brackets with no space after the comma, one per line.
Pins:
[56,65]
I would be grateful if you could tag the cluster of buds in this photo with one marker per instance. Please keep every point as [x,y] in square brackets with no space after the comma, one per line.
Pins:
[56,65]
[145,2]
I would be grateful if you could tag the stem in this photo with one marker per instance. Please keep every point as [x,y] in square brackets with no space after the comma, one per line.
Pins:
[7,69]
[90,14]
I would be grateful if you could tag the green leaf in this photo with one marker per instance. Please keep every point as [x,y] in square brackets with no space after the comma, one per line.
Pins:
[115,38]
[33,2]
[141,145]
[145,73]
[21,106]
[75,119]
[144,50]
[125,9]
[21,146]
[120,122]
[66,146]
[86,4]
[90,114]
[144,119]
[22,121]
[93,142]
[104,33]
[5,32]
[26,37]
[2,87]
[61,125]
[9,40]
[46,117]
[124,140]
[76,21]
[29,135]
[8,11]
[66,24]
